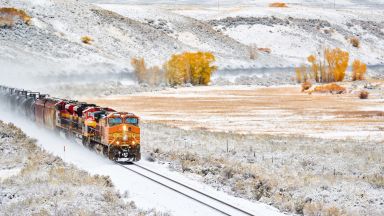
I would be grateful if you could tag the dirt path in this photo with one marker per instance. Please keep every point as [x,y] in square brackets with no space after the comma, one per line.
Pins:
[272,110]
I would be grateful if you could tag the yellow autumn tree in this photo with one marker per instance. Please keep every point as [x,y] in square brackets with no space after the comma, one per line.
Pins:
[337,60]
[301,74]
[358,70]
[152,75]
[139,69]
[189,67]
[315,68]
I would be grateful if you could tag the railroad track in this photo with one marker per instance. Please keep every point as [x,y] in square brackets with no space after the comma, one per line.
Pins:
[205,199]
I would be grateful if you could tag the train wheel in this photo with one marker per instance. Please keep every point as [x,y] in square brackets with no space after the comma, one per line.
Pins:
[99,149]
[85,141]
[111,154]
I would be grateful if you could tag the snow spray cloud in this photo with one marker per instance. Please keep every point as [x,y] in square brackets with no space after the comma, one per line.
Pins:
[71,151]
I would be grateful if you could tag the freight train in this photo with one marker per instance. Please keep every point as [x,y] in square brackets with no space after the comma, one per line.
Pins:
[108,132]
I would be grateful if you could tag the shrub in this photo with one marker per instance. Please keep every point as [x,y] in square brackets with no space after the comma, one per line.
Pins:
[6,22]
[86,39]
[301,74]
[358,70]
[355,42]
[152,76]
[8,16]
[376,180]
[266,50]
[252,49]
[330,88]
[194,68]
[363,94]
[305,86]
[278,4]
[331,68]
[337,63]
[315,68]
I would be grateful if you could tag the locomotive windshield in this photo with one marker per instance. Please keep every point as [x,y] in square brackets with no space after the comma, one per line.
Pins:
[114,121]
[133,121]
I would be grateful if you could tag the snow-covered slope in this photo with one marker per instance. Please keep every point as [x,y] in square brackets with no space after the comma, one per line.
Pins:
[52,44]
[295,32]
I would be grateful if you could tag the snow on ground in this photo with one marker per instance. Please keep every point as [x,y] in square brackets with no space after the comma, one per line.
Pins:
[281,110]
[145,193]
[34,182]
[52,45]
[295,32]
[310,176]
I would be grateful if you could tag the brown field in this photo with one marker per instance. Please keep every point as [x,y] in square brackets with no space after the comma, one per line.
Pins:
[259,110]
[315,154]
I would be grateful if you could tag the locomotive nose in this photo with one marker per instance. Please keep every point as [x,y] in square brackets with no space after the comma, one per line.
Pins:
[125,137]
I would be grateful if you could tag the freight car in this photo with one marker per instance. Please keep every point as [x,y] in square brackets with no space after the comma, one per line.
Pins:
[108,132]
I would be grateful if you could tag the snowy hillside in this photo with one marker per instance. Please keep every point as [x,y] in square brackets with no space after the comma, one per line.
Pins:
[52,44]
[295,32]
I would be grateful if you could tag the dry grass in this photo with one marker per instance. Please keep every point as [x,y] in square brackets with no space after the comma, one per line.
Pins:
[278,5]
[377,180]
[363,94]
[330,88]
[46,178]
[355,42]
[87,39]
[8,16]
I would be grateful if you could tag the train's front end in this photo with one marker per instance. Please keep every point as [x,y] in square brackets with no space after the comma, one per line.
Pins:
[123,136]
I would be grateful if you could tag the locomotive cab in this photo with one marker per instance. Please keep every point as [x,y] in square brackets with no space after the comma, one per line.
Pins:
[122,133]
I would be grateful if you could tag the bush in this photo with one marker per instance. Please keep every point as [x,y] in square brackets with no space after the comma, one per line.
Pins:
[331,68]
[315,68]
[194,68]
[278,4]
[330,88]
[252,49]
[8,16]
[265,50]
[363,94]
[305,86]
[355,42]
[376,180]
[358,70]
[152,76]
[337,63]
[86,39]
[301,74]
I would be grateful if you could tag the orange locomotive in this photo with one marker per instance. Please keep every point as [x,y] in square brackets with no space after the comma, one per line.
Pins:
[111,133]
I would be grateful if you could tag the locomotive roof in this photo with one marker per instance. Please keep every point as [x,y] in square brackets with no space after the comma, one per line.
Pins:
[121,114]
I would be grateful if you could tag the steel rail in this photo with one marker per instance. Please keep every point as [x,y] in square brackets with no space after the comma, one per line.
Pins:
[173,189]
[185,186]
[195,190]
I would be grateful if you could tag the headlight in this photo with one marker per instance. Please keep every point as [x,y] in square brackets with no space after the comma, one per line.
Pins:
[125,128]
[118,143]
[133,142]
[125,137]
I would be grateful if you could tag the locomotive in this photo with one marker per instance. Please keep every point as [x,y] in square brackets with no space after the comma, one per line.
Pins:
[108,132]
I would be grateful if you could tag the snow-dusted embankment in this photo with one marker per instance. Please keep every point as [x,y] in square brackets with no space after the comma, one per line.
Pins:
[145,193]
[34,182]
